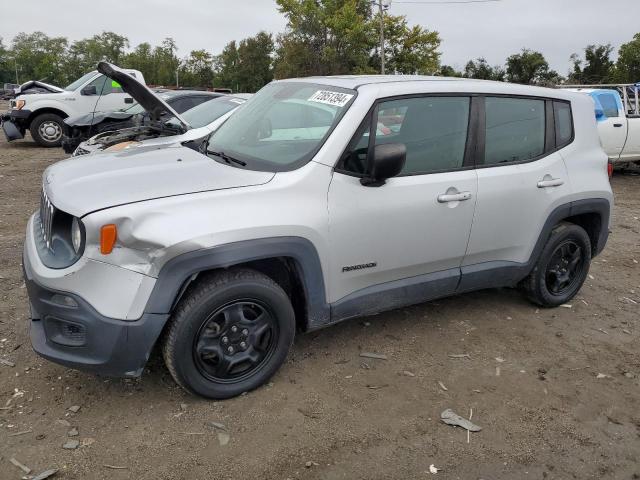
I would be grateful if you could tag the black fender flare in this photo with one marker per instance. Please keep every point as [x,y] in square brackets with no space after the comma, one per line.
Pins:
[174,276]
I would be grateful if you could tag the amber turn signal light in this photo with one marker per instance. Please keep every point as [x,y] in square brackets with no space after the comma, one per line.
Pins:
[108,237]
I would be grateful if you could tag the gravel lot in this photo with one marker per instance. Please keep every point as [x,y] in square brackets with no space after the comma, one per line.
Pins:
[532,378]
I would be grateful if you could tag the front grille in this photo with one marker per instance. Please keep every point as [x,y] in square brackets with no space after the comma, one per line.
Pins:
[47,212]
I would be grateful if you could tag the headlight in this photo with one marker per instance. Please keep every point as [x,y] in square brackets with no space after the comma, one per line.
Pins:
[19,104]
[76,235]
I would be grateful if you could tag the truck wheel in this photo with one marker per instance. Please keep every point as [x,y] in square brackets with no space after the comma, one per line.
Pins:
[562,267]
[46,130]
[229,335]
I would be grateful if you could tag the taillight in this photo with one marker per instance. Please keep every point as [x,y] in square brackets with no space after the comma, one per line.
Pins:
[610,169]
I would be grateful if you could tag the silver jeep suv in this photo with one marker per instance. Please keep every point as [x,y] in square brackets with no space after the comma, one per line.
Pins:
[321,199]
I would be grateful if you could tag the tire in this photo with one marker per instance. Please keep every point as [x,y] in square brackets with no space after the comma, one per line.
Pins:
[561,268]
[201,333]
[46,129]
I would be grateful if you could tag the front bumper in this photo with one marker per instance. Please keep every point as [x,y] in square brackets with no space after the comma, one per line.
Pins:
[72,314]
[68,330]
[15,124]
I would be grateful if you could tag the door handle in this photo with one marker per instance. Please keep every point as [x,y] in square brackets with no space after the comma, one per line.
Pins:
[454,197]
[553,182]
[617,125]
[128,100]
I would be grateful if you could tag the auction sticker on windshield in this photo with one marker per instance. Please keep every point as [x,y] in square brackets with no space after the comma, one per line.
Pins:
[328,97]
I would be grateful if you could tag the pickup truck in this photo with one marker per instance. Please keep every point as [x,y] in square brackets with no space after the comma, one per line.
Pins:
[43,110]
[618,122]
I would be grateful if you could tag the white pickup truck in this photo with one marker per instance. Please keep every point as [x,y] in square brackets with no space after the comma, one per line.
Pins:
[41,108]
[617,109]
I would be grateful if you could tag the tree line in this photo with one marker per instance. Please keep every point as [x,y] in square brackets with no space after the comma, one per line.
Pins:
[322,37]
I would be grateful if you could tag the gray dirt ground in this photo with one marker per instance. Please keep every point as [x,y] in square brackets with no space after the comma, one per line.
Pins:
[351,417]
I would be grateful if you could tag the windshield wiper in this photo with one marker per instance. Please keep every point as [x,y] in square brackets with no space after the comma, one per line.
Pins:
[227,158]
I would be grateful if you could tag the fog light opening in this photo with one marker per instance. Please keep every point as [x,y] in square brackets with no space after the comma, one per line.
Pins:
[64,300]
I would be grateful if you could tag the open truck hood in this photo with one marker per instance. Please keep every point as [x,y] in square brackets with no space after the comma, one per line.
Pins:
[82,185]
[142,94]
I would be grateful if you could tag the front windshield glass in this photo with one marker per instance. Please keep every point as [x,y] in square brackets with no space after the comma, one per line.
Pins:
[79,82]
[282,126]
[207,112]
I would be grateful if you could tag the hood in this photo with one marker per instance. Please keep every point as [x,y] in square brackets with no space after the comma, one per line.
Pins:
[83,185]
[142,94]
[36,86]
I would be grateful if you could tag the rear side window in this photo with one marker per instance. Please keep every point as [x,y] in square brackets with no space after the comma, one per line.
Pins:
[564,123]
[433,129]
[609,105]
[515,130]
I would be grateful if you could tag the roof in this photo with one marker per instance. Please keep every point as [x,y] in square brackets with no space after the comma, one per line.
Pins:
[355,81]
[419,83]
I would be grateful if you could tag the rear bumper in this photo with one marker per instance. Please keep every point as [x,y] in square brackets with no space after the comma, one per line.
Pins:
[66,329]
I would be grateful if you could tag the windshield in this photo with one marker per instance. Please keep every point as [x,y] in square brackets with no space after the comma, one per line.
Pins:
[79,82]
[282,126]
[205,113]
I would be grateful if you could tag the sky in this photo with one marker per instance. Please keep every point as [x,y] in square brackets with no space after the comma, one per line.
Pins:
[492,30]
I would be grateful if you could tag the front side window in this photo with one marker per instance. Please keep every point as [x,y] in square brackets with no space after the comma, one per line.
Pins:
[609,105]
[515,130]
[282,126]
[105,86]
[433,129]
[79,82]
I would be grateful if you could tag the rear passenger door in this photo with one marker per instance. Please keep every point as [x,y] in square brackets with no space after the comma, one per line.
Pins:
[417,223]
[522,178]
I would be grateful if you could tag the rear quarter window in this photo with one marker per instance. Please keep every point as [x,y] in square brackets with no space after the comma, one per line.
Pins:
[564,123]
[609,105]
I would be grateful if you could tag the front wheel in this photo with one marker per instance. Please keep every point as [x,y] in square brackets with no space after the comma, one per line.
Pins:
[46,130]
[230,334]
[562,268]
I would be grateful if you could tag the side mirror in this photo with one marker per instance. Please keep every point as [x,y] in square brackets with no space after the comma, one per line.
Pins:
[388,161]
[89,90]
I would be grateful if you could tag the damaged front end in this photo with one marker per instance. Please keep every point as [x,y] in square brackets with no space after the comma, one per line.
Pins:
[108,141]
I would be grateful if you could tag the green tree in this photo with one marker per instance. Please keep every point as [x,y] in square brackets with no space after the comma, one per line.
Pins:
[255,62]
[7,70]
[197,69]
[481,70]
[324,37]
[598,66]
[85,54]
[39,57]
[141,58]
[628,65]
[226,67]
[165,63]
[408,50]
[528,67]
[449,71]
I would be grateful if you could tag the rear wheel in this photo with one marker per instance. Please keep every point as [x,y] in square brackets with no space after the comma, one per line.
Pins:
[562,267]
[230,334]
[46,130]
